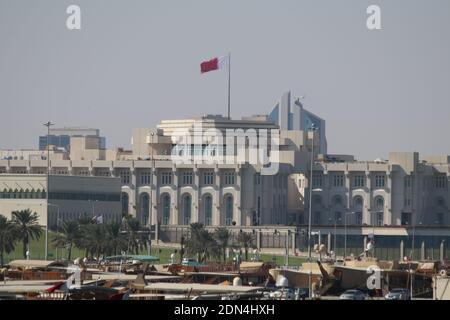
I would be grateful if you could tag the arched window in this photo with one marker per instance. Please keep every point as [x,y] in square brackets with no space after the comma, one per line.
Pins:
[228,210]
[358,202]
[187,204]
[16,194]
[440,202]
[166,209]
[26,194]
[145,208]
[379,203]
[337,200]
[208,210]
[125,203]
[33,194]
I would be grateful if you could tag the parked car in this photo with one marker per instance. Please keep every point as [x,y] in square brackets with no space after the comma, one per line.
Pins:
[398,294]
[353,295]
[301,293]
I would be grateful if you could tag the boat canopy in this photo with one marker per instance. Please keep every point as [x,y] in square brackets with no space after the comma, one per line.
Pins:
[141,258]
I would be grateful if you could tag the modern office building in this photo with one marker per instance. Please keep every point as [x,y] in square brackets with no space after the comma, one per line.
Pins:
[289,114]
[60,137]
[70,197]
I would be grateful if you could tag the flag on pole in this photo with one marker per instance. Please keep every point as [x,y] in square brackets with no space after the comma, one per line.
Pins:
[223,62]
[215,64]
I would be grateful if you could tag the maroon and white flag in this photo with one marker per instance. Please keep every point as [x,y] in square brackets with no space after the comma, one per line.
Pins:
[215,64]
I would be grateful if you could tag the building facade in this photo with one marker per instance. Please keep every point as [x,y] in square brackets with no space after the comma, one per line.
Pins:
[70,197]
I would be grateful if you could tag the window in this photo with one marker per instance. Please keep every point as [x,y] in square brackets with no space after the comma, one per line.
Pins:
[208,177]
[358,202]
[358,218]
[317,180]
[125,203]
[125,176]
[408,182]
[317,217]
[258,210]
[187,206]
[317,200]
[257,179]
[208,210]
[379,219]
[379,181]
[145,208]
[379,203]
[440,181]
[358,181]
[166,209]
[440,202]
[229,178]
[166,178]
[337,200]
[439,218]
[406,218]
[228,210]
[146,177]
[407,202]
[338,180]
[187,177]
[83,173]
[337,217]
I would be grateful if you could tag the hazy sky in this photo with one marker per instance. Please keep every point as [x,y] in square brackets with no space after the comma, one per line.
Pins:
[134,63]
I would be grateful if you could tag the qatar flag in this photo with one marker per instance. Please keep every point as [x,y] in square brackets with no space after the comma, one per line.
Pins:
[215,64]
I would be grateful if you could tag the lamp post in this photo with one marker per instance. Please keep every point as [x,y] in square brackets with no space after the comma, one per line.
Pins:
[313,128]
[57,224]
[48,125]
[345,227]
[412,256]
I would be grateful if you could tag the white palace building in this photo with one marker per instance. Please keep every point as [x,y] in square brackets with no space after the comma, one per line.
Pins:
[204,170]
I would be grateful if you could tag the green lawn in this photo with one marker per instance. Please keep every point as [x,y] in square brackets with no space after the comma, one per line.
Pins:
[37,251]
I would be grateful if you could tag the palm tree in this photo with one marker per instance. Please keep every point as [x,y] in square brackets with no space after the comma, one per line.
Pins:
[222,236]
[115,238]
[245,239]
[27,227]
[136,241]
[94,239]
[7,237]
[202,243]
[69,236]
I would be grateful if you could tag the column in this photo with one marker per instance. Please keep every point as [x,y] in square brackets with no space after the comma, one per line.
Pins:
[328,242]
[195,199]
[348,189]
[294,241]
[402,250]
[422,251]
[238,211]
[134,208]
[154,197]
[175,208]
[368,201]
[388,202]
[216,220]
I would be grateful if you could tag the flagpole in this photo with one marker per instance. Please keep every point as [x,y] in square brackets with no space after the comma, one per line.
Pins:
[229,82]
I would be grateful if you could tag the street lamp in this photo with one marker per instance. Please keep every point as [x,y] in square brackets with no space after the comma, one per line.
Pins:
[345,239]
[313,128]
[57,224]
[48,125]
[93,207]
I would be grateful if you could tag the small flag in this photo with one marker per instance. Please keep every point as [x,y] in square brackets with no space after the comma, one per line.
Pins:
[100,219]
[215,64]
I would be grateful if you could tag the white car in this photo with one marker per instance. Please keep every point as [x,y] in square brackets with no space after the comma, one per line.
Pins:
[353,295]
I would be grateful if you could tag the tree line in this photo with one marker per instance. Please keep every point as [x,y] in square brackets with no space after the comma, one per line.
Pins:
[206,245]
[96,239]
